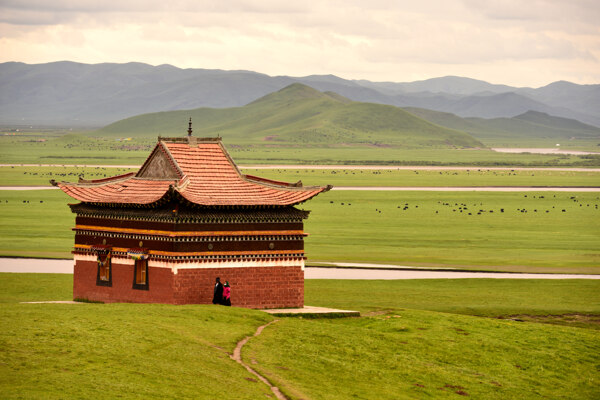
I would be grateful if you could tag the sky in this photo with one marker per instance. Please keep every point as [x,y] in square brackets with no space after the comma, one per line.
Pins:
[519,43]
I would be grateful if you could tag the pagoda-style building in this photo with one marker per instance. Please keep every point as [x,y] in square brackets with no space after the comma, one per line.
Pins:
[164,233]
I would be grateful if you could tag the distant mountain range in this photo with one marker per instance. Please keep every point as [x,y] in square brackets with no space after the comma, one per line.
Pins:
[73,94]
[299,115]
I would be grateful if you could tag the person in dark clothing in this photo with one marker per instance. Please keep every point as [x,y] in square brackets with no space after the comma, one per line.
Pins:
[218,292]
[226,294]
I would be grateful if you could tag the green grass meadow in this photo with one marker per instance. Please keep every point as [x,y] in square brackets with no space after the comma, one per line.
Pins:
[38,175]
[533,234]
[72,148]
[418,178]
[416,339]
[421,339]
[130,351]
[373,155]
[571,302]
[420,354]
[467,230]
[41,176]
[78,149]
[36,223]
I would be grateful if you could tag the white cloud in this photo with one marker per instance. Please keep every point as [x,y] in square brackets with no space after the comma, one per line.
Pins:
[381,40]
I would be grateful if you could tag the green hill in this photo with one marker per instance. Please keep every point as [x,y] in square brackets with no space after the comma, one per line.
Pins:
[299,114]
[565,125]
[451,121]
[530,126]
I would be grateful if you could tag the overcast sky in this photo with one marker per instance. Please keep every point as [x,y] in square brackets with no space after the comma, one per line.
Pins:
[514,42]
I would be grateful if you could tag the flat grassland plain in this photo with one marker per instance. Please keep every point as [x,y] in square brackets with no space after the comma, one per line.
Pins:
[499,231]
[424,178]
[80,148]
[533,232]
[504,231]
[416,339]
[40,175]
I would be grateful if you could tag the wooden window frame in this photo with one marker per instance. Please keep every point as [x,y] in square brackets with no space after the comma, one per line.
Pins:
[136,285]
[104,282]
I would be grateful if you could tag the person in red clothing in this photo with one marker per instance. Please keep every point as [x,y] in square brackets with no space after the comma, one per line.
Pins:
[226,294]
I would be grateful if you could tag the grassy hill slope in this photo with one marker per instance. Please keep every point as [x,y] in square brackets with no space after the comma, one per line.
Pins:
[299,114]
[410,343]
[527,126]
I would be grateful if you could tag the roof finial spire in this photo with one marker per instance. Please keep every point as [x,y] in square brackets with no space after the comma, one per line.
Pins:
[190,127]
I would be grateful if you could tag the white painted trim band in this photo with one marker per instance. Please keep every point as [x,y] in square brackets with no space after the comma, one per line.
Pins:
[175,266]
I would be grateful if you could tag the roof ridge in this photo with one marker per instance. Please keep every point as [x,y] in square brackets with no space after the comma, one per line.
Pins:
[287,185]
[183,183]
[229,158]
[273,182]
[108,179]
[185,139]
[97,182]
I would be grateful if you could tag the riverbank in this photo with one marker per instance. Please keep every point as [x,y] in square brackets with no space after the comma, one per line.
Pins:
[337,271]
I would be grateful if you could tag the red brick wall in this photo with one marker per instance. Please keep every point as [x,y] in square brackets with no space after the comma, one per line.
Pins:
[256,287]
[84,285]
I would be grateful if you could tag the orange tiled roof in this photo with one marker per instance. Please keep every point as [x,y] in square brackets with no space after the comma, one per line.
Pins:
[199,170]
